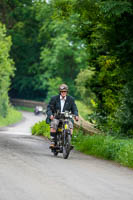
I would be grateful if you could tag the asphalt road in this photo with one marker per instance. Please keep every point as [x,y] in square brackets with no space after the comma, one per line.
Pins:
[28,170]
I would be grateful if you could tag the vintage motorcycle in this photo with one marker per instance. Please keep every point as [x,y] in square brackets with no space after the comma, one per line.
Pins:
[63,135]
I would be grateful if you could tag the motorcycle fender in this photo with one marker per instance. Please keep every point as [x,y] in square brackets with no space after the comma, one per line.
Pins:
[66,126]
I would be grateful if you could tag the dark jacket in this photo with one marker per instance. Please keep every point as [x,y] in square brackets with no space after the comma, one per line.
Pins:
[55,105]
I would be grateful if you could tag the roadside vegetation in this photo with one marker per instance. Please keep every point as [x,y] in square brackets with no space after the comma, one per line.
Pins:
[106,147]
[23,108]
[12,117]
[41,128]
[8,115]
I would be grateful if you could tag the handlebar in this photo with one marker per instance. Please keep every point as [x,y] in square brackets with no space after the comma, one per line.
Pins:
[65,114]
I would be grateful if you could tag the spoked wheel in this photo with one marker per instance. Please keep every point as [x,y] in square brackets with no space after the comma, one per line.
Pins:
[66,147]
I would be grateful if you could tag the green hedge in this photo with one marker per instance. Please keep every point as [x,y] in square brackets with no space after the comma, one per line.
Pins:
[106,147]
[6,70]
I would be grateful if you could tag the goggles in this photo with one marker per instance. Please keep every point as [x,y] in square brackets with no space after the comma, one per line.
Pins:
[62,88]
[63,91]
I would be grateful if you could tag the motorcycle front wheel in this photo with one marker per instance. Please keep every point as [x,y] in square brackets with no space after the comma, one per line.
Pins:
[66,146]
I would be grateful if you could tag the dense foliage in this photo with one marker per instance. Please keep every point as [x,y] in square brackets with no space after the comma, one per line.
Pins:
[107,82]
[6,70]
[87,44]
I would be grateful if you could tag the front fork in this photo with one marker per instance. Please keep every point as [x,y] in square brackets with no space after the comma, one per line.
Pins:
[66,131]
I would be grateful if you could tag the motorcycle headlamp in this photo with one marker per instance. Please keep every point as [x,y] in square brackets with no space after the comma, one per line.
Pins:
[66,114]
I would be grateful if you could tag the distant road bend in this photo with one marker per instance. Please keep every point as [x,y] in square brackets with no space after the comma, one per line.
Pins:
[28,170]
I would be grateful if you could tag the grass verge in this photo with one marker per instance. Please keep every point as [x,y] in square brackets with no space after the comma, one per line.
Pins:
[106,147]
[12,117]
[24,108]
[84,110]
[101,146]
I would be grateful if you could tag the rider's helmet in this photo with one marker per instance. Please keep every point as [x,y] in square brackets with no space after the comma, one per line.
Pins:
[63,87]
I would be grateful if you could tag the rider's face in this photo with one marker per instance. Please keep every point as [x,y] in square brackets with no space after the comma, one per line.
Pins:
[63,93]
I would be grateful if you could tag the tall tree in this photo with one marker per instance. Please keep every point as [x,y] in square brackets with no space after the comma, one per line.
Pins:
[63,55]
[6,70]
[19,17]
[106,26]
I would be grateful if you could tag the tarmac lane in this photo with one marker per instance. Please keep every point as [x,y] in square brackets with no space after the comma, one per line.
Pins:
[29,171]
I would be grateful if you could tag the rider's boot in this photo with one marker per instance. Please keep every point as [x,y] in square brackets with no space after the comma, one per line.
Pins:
[53,140]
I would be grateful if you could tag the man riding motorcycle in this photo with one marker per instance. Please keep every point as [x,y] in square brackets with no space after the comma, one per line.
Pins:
[61,103]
